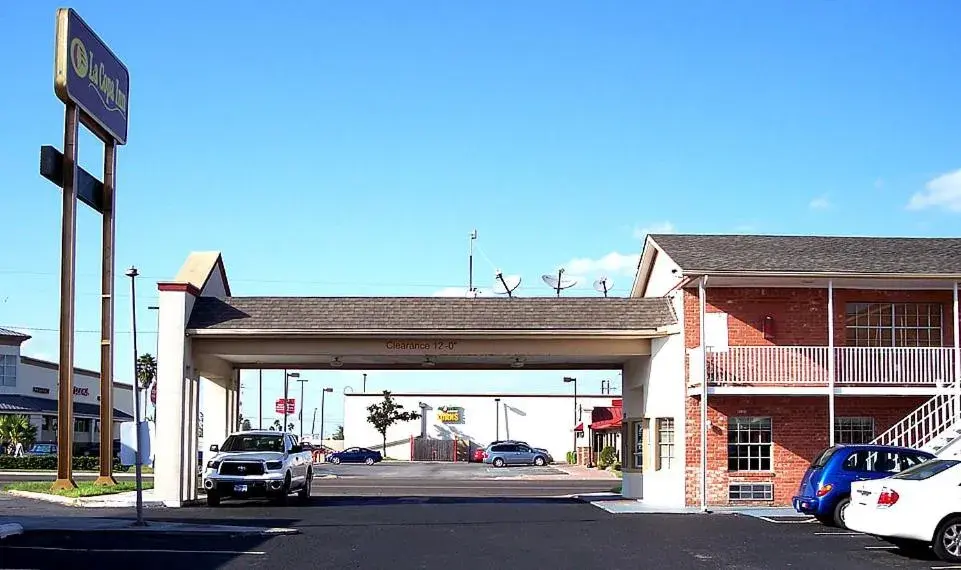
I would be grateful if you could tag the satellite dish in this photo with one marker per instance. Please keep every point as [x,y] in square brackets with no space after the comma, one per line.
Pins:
[506,284]
[603,285]
[558,283]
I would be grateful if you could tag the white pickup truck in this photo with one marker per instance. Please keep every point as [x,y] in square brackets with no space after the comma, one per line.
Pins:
[258,464]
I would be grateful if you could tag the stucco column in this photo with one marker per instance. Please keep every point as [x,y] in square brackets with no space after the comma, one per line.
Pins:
[632,391]
[176,396]
[216,408]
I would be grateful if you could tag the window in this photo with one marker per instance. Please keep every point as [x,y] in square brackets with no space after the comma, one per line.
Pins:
[638,445]
[853,430]
[749,444]
[750,492]
[8,369]
[665,443]
[881,461]
[81,425]
[49,423]
[893,324]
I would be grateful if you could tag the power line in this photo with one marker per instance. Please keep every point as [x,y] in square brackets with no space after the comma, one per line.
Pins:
[77,331]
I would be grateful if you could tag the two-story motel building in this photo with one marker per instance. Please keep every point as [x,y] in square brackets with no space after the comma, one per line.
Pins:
[810,341]
[802,334]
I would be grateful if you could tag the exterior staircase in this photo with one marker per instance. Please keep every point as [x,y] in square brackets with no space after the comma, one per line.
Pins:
[934,427]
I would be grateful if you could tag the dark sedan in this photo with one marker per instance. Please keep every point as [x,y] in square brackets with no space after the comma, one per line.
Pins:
[355,455]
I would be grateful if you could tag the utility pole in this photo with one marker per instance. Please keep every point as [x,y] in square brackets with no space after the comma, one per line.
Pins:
[301,416]
[364,388]
[260,399]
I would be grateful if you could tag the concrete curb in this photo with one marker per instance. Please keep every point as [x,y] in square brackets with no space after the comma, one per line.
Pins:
[88,502]
[10,529]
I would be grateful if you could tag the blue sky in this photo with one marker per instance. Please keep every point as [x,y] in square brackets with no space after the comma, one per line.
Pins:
[340,150]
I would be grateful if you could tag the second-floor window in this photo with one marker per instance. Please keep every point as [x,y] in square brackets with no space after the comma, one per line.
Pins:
[893,324]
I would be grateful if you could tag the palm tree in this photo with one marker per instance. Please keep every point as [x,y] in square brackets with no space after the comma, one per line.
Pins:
[146,370]
[17,428]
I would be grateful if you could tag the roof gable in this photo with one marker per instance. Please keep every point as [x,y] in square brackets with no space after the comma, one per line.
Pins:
[812,254]
[205,271]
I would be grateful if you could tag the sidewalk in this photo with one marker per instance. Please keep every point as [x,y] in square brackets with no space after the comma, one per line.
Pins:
[587,473]
[115,500]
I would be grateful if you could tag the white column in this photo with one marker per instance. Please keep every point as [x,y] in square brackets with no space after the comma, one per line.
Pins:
[175,425]
[702,309]
[632,393]
[957,355]
[831,361]
[216,409]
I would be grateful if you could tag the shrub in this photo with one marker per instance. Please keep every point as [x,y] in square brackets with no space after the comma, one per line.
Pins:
[608,456]
[49,463]
[571,458]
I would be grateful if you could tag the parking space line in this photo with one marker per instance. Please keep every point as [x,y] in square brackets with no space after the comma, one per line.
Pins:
[134,550]
[839,534]
[795,521]
[886,547]
[944,567]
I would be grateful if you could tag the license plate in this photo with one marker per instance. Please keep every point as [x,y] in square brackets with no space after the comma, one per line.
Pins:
[240,488]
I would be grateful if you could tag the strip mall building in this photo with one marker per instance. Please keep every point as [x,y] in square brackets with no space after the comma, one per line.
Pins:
[809,341]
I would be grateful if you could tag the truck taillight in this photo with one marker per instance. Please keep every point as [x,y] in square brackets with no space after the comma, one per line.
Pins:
[888,497]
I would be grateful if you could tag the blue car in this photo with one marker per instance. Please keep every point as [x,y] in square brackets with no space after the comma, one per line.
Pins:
[825,489]
[355,455]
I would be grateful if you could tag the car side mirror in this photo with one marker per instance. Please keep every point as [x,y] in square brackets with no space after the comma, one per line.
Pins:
[296,449]
[215,448]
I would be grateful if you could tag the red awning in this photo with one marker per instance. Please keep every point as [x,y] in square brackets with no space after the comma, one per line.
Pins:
[607,418]
[579,427]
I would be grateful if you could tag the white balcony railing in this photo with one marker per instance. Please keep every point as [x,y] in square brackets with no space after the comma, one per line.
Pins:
[808,366]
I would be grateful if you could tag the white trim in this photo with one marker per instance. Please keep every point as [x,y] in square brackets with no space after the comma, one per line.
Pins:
[817,391]
[434,333]
[824,274]
[702,309]
[831,369]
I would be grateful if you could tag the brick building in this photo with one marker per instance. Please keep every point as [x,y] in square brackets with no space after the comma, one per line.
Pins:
[810,341]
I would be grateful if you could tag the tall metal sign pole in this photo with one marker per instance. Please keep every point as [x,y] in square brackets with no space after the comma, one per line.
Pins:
[94,86]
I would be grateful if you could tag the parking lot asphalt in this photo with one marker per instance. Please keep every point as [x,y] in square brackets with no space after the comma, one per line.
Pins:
[469,533]
[424,470]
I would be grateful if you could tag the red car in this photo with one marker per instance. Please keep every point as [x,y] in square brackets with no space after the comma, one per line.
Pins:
[478,456]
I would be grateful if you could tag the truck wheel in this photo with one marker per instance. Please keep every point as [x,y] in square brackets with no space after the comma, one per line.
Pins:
[304,493]
[213,499]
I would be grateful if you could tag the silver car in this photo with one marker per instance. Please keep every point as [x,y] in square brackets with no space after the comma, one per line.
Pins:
[502,454]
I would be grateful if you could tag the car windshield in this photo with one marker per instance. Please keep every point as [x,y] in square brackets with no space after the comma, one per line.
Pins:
[274,443]
[926,470]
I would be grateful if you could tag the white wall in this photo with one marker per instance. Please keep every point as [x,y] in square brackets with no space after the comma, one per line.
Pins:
[541,420]
[655,388]
[86,386]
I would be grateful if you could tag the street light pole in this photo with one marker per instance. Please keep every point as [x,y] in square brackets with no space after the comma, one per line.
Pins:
[497,419]
[132,274]
[301,416]
[287,377]
[364,388]
[574,380]
[322,394]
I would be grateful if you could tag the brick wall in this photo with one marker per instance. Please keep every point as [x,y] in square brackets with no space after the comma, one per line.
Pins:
[800,315]
[800,430]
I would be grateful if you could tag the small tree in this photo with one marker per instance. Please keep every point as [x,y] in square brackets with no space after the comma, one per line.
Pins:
[17,429]
[387,413]
[146,370]
[339,434]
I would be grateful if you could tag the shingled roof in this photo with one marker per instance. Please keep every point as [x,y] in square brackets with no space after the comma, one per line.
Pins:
[812,254]
[322,314]
[10,333]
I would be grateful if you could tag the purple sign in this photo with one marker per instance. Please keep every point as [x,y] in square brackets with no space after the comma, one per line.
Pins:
[90,75]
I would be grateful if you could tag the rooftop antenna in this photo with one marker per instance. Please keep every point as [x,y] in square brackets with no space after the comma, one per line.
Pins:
[470,264]
[603,285]
[558,283]
[506,284]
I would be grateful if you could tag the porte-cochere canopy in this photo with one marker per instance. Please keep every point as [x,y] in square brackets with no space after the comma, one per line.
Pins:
[411,332]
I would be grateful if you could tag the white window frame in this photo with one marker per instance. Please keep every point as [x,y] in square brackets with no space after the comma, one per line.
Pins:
[765,487]
[665,449]
[852,425]
[8,370]
[769,446]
